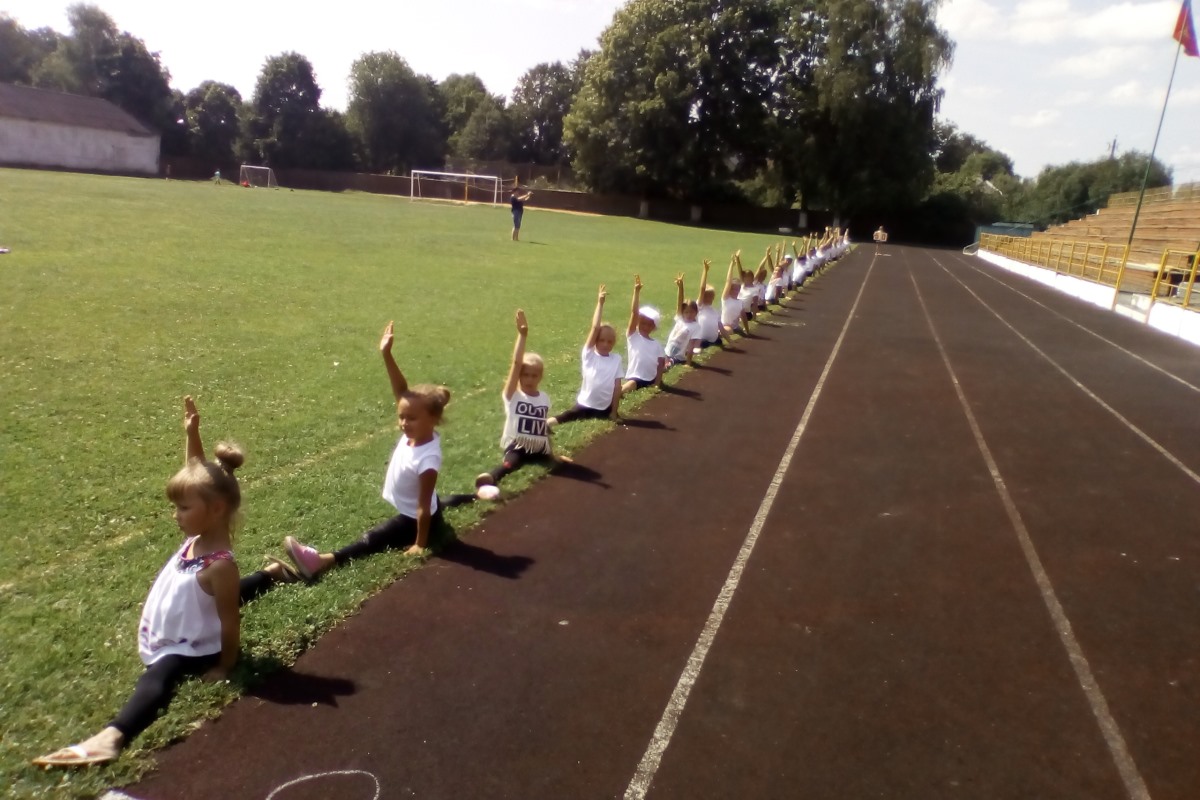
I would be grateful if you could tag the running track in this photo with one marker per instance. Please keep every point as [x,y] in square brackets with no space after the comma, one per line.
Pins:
[933,534]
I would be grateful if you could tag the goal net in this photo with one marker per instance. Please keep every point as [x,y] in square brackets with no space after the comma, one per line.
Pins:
[257,176]
[462,186]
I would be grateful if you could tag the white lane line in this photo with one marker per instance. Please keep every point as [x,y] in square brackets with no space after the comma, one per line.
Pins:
[1164,452]
[1134,785]
[1082,327]
[648,767]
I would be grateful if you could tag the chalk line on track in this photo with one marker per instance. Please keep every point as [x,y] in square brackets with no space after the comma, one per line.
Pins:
[1164,452]
[1081,326]
[643,776]
[1122,759]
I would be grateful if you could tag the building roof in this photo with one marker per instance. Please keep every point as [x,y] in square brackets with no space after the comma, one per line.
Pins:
[45,105]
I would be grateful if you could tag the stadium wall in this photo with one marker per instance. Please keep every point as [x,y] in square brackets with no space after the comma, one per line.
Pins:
[30,143]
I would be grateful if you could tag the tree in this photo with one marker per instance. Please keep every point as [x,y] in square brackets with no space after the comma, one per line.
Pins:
[487,134]
[22,50]
[212,111]
[393,113]
[858,92]
[285,119]
[1073,190]
[540,101]
[674,102]
[460,96]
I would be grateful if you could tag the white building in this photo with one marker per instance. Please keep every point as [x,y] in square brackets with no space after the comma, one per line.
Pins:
[44,128]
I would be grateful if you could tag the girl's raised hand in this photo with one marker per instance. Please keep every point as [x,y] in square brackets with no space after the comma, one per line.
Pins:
[385,342]
[522,324]
[637,282]
[603,293]
[679,279]
[191,417]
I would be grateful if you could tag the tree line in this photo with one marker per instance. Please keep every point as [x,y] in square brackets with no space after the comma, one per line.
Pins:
[805,103]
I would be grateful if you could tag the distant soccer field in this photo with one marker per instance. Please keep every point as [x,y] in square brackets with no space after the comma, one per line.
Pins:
[121,295]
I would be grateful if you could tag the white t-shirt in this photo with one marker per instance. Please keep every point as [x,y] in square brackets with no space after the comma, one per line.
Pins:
[644,354]
[709,320]
[799,268]
[747,294]
[600,373]
[402,485]
[681,336]
[525,422]
[731,311]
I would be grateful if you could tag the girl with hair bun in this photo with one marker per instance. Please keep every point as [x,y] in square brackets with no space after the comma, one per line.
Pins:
[190,623]
[411,481]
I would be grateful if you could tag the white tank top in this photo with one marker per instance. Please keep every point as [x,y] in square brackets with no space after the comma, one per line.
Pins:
[179,617]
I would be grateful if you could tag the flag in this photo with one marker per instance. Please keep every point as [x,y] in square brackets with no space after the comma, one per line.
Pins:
[1185,29]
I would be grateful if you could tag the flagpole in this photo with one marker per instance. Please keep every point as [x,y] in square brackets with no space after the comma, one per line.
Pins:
[1146,177]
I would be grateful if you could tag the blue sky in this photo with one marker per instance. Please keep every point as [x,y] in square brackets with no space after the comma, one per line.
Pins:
[1045,81]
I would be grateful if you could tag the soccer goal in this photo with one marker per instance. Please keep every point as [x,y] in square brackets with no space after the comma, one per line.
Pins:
[430,185]
[257,176]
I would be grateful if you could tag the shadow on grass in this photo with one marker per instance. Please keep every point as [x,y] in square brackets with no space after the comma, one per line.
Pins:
[484,560]
[285,686]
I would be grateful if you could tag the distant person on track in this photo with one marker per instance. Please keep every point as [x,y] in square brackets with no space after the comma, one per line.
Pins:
[517,200]
[410,484]
[190,624]
[647,359]
[684,339]
[526,437]
[880,237]
[600,394]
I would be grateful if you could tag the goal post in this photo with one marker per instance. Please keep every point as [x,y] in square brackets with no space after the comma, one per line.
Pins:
[466,187]
[250,175]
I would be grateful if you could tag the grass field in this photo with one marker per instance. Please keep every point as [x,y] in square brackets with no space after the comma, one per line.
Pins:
[121,295]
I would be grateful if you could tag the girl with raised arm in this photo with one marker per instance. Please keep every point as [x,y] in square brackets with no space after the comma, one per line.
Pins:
[526,436]
[600,394]
[411,481]
[190,624]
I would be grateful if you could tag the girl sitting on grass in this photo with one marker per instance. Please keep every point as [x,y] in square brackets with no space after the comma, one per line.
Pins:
[600,394]
[732,307]
[410,482]
[190,623]
[526,436]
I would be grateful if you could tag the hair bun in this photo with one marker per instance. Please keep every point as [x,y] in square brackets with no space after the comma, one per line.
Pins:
[230,456]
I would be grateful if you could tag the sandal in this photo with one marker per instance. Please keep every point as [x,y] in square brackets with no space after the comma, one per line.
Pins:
[73,756]
[287,573]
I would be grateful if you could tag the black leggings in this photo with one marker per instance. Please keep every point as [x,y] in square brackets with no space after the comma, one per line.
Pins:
[395,533]
[515,458]
[582,412]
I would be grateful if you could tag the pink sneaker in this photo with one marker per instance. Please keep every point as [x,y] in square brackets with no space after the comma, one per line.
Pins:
[306,559]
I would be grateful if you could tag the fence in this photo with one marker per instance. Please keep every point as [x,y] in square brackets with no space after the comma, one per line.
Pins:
[1172,279]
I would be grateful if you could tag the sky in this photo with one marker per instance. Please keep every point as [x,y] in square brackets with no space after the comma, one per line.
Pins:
[1044,81]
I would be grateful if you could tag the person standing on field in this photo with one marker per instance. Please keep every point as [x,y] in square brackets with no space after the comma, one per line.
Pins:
[518,201]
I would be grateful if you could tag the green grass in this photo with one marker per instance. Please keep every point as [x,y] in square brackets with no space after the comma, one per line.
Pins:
[122,295]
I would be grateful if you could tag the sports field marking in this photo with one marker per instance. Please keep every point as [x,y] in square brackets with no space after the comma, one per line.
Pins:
[643,776]
[1164,452]
[1081,327]
[1134,785]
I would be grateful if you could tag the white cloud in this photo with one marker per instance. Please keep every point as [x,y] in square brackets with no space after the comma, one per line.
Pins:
[1102,62]
[1038,119]
[965,19]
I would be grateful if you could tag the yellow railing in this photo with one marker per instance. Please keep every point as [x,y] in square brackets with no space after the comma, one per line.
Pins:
[1093,261]
[1171,280]
[1175,282]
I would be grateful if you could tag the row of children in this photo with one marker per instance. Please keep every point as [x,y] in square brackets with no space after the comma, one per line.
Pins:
[191,623]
